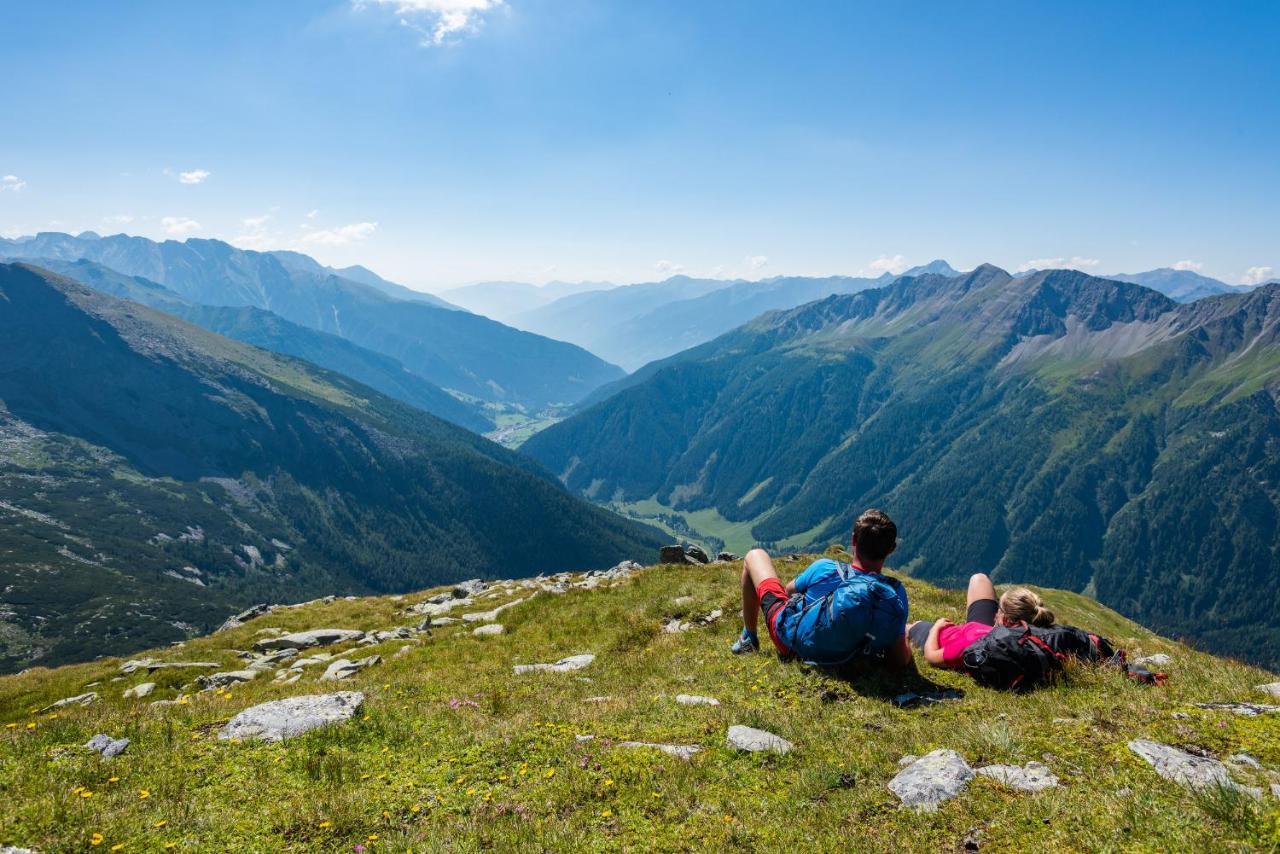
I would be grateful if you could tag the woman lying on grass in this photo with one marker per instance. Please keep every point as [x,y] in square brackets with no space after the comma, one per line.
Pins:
[944,642]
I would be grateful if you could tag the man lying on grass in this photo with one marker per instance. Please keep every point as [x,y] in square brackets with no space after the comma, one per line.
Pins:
[833,612]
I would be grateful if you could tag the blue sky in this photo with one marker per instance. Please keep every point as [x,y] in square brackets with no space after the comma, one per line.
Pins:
[445,141]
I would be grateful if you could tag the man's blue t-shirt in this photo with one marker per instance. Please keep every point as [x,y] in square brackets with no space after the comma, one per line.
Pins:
[823,575]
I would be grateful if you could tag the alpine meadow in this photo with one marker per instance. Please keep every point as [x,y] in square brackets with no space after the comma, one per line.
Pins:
[591,426]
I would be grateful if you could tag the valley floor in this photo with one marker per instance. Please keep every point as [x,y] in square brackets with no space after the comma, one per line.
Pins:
[453,751]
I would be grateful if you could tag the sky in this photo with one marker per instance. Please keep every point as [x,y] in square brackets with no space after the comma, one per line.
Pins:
[441,142]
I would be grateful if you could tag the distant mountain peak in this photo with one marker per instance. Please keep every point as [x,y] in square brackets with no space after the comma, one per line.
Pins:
[937,267]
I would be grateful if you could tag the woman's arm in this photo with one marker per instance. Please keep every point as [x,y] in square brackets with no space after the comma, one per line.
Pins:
[932,649]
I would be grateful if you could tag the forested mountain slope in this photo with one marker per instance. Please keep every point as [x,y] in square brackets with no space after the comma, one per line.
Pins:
[1058,428]
[155,476]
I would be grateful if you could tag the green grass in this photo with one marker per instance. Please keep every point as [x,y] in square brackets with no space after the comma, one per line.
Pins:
[500,768]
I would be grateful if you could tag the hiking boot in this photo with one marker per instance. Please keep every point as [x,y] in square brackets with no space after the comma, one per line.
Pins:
[746,642]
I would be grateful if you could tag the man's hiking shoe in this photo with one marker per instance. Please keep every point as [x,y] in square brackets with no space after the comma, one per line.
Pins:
[746,642]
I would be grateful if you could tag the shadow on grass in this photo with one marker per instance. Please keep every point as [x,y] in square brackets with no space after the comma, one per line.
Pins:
[905,688]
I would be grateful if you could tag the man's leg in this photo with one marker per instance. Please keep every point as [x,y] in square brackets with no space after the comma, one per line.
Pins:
[756,567]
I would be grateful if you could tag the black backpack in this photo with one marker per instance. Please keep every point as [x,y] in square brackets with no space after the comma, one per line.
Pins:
[1012,659]
[1076,643]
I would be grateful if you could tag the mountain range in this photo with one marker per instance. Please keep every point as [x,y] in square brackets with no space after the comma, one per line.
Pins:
[1056,428]
[504,300]
[156,477]
[456,350]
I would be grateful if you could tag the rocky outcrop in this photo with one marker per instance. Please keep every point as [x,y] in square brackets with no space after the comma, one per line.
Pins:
[139,691]
[238,620]
[282,719]
[696,700]
[683,751]
[152,665]
[1195,772]
[226,678]
[564,665]
[683,554]
[84,699]
[305,640]
[1032,777]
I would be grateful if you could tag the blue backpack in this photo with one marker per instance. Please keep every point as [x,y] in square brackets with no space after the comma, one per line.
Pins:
[865,614]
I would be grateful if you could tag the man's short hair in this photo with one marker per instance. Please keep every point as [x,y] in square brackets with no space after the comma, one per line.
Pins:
[874,535]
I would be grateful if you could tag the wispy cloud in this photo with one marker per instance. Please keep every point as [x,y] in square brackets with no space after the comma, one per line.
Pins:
[756,262]
[255,222]
[1193,266]
[1257,275]
[195,176]
[1075,262]
[888,264]
[437,22]
[667,268]
[12,183]
[179,226]
[341,235]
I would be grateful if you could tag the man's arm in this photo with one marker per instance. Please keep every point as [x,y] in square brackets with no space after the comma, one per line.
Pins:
[899,655]
[932,649]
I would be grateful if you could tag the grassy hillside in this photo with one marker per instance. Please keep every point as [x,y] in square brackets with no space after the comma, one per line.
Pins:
[453,752]
[154,475]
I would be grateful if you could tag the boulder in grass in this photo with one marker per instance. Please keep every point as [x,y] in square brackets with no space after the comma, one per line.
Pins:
[1187,769]
[238,620]
[468,589]
[682,751]
[931,779]
[107,746]
[489,630]
[695,700]
[88,698]
[689,555]
[754,740]
[1271,688]
[697,554]
[282,719]
[728,557]
[226,679]
[303,640]
[1160,659]
[564,665]
[344,669]
[139,691]
[1032,777]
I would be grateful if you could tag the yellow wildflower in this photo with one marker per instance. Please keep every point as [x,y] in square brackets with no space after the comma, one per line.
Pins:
[609,782]
[143,794]
[416,808]
[162,822]
[471,791]
[606,813]
[96,839]
[326,824]
[386,814]
[372,837]
[364,776]
[551,772]
[31,725]
[86,794]
[113,779]
[117,846]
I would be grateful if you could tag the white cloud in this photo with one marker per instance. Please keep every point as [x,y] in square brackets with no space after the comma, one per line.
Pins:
[889,264]
[1194,266]
[667,268]
[716,272]
[312,214]
[12,182]
[195,176]
[178,226]
[255,222]
[438,22]
[756,262]
[342,235]
[1257,275]
[1075,262]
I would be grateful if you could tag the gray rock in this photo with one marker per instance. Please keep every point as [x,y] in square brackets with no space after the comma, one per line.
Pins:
[229,677]
[1249,710]
[1032,777]
[1275,790]
[1158,660]
[304,640]
[489,630]
[13,849]
[581,739]
[106,745]
[682,601]
[238,620]
[345,669]
[597,699]
[467,589]
[683,554]
[281,719]
[151,664]
[1272,688]
[907,760]
[142,689]
[728,557]
[695,700]
[85,699]
[756,740]
[1245,760]
[564,665]
[402,651]
[270,660]
[1195,772]
[488,616]
[697,553]
[683,751]
[932,779]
